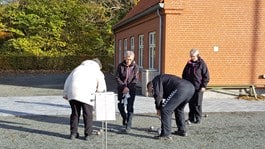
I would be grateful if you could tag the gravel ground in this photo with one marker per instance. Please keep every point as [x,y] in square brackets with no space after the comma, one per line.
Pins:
[219,130]
[235,130]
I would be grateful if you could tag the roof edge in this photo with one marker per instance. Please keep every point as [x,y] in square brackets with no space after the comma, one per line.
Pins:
[139,15]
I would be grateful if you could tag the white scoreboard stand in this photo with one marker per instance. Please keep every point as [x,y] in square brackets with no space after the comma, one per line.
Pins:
[105,109]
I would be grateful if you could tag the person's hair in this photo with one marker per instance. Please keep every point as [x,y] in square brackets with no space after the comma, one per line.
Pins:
[129,53]
[149,84]
[98,61]
[194,52]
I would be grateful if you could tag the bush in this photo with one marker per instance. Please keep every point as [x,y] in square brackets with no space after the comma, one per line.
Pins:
[48,63]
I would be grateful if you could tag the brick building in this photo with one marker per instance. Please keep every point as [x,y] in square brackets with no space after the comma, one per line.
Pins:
[230,35]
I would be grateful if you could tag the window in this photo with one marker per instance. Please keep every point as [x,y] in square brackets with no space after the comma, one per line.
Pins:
[132,43]
[152,46]
[124,46]
[140,50]
[120,51]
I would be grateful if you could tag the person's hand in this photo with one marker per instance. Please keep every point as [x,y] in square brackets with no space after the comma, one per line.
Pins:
[158,113]
[65,97]
[203,89]
[125,90]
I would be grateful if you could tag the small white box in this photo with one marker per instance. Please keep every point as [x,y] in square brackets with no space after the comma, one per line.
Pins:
[215,48]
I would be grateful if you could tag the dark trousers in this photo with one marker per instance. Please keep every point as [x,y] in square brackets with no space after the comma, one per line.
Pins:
[126,112]
[87,109]
[195,106]
[175,104]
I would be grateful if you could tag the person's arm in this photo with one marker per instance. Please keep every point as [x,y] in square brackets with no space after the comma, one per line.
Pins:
[184,73]
[66,86]
[121,84]
[158,93]
[205,76]
[158,113]
[135,74]
[101,86]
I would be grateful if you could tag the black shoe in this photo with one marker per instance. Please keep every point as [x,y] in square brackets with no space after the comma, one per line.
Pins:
[197,122]
[125,131]
[163,138]
[181,133]
[188,122]
[87,138]
[74,136]
[124,123]
[128,127]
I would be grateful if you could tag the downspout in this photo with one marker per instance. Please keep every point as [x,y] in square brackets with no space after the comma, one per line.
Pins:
[160,37]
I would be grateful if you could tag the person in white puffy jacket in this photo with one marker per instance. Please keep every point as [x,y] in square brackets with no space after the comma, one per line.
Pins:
[79,89]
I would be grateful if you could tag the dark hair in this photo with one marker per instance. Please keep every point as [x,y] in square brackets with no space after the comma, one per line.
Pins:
[149,84]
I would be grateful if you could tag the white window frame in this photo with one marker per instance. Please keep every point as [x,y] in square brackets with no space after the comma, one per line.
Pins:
[120,50]
[132,43]
[125,46]
[152,46]
[140,50]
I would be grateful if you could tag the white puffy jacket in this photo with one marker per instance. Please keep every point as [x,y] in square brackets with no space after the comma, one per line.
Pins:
[84,81]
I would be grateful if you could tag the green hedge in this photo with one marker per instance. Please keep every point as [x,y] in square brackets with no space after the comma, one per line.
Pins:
[49,63]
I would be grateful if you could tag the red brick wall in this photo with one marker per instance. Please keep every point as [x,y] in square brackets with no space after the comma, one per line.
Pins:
[236,27]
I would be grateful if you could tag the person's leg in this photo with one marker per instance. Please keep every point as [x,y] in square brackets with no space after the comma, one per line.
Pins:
[187,92]
[122,109]
[167,109]
[130,110]
[122,113]
[180,116]
[88,119]
[166,115]
[192,106]
[198,107]
[180,119]
[74,117]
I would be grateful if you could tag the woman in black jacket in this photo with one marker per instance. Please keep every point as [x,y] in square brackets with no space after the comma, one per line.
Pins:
[197,73]
[127,77]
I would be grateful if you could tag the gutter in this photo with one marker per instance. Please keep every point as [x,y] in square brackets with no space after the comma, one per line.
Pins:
[160,37]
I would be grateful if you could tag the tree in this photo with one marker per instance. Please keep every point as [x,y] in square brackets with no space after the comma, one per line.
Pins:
[52,27]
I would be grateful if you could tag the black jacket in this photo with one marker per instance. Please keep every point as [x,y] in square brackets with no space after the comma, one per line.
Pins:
[197,73]
[133,72]
[164,85]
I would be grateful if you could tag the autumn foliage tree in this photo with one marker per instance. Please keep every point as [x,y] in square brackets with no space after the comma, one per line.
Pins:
[65,27]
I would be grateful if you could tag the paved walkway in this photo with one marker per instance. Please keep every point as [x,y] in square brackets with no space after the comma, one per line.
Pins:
[56,105]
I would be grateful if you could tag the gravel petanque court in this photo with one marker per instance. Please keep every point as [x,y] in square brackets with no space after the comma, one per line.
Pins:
[33,115]
[219,130]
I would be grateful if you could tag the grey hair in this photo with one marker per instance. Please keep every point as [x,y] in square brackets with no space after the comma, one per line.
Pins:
[129,53]
[194,52]
[98,61]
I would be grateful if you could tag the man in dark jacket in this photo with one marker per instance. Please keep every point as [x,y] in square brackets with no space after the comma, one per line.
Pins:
[127,77]
[197,73]
[171,94]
